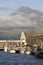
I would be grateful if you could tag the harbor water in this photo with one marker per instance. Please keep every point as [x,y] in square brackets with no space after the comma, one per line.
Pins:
[19,59]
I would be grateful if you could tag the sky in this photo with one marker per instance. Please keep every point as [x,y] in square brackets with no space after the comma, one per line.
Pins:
[9,6]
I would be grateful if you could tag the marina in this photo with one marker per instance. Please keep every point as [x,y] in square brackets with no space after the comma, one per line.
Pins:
[29,44]
[21,32]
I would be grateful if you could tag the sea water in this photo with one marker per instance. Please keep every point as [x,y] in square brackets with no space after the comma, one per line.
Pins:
[7,58]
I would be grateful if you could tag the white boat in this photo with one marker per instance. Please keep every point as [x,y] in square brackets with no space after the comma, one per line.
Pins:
[27,52]
[22,51]
[5,49]
[12,51]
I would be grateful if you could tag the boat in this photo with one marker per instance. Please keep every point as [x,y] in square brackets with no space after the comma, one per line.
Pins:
[27,52]
[40,54]
[22,51]
[12,51]
[5,49]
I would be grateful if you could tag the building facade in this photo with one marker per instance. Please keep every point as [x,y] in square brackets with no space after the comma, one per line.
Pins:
[32,39]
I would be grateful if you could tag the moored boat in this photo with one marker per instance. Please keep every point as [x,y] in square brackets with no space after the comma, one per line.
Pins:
[5,49]
[22,51]
[12,51]
[28,52]
[40,54]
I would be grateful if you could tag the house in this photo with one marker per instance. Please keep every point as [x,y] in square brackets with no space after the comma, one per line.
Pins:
[31,38]
[27,37]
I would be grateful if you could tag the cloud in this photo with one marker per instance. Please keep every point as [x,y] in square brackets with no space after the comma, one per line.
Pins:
[4,8]
[16,21]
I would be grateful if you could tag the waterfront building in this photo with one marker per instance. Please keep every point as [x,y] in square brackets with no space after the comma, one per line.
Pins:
[32,39]
[28,41]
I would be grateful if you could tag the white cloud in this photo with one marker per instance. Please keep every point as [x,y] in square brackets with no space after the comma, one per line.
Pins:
[16,21]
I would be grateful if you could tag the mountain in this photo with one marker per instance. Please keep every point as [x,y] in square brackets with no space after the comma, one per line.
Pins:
[26,11]
[28,17]
[23,19]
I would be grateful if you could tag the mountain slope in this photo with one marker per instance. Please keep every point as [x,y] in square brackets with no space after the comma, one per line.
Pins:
[28,17]
[23,19]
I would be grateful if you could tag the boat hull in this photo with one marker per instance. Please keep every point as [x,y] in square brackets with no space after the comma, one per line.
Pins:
[40,54]
[12,51]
